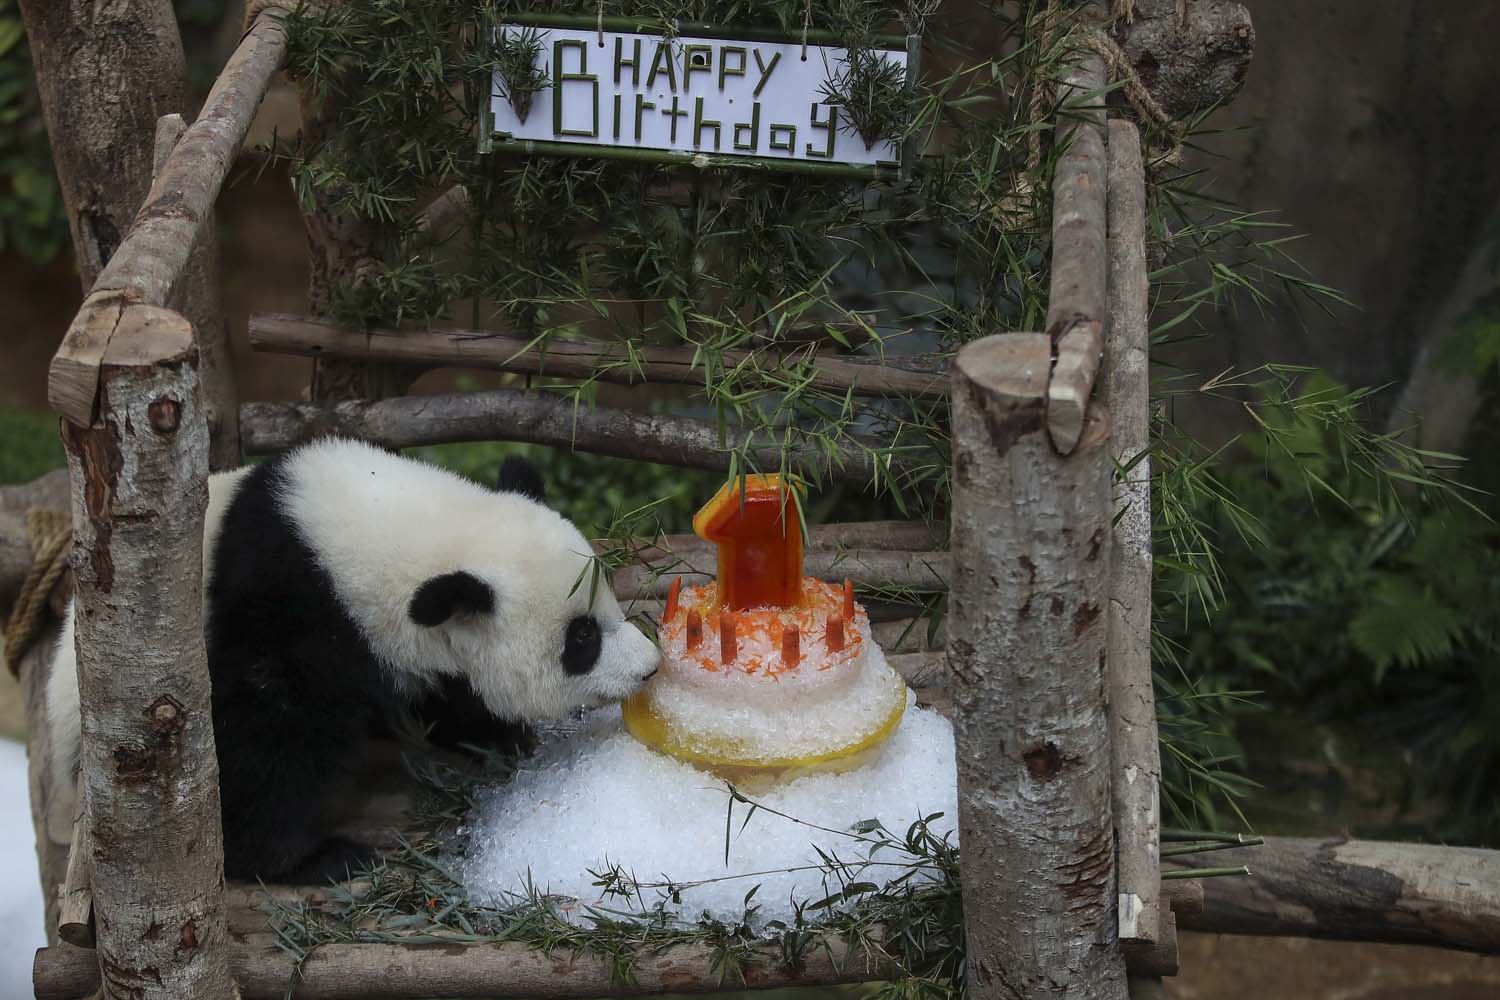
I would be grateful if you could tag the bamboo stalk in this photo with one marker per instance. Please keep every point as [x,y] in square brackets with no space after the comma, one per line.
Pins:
[539,418]
[1076,304]
[154,255]
[1125,388]
[698,161]
[703,29]
[1224,872]
[921,376]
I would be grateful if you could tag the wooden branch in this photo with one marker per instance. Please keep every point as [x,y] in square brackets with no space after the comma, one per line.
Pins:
[871,553]
[533,417]
[198,299]
[442,216]
[1355,890]
[1076,300]
[75,911]
[150,779]
[1126,390]
[394,971]
[148,265]
[921,376]
[381,971]
[1026,645]
[923,571]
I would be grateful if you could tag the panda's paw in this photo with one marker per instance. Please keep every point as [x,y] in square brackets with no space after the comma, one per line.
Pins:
[337,859]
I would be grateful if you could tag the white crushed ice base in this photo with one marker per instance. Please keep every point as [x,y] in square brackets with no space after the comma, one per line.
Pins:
[596,799]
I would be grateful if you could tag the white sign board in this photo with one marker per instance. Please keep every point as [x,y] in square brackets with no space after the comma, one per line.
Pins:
[711,96]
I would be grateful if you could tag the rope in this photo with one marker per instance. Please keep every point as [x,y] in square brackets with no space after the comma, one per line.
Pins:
[1117,67]
[50,534]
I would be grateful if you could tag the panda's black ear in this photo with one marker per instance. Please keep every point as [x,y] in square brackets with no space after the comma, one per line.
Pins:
[519,476]
[442,597]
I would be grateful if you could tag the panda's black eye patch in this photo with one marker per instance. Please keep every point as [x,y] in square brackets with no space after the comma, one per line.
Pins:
[581,645]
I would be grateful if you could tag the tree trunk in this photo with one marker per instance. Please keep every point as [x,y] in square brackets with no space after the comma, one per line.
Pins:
[106,71]
[150,777]
[1026,650]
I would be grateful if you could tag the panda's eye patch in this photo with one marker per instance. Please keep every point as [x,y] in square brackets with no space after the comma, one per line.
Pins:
[582,644]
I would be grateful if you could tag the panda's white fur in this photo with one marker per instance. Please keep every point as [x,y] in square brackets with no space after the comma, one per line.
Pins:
[381,526]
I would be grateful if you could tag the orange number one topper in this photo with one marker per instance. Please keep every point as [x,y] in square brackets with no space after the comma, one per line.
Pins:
[759,535]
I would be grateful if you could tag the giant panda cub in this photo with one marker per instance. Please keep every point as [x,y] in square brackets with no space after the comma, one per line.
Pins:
[342,583]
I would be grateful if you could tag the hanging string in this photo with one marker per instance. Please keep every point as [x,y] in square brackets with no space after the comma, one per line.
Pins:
[806,23]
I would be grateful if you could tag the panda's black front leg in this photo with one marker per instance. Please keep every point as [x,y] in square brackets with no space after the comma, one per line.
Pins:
[454,715]
[284,747]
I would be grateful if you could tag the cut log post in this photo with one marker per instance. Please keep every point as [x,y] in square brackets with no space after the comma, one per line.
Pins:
[537,418]
[150,778]
[1355,890]
[1025,653]
[198,299]
[920,376]
[1076,301]
[152,259]
[1126,391]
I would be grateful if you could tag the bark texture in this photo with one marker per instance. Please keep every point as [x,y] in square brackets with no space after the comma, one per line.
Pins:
[534,417]
[150,778]
[397,971]
[152,260]
[921,375]
[1126,390]
[221,400]
[1076,299]
[1025,652]
[1192,63]
[1353,890]
[105,72]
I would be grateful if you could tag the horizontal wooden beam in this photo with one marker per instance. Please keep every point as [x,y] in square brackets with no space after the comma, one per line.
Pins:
[461,970]
[152,257]
[1354,890]
[922,376]
[924,571]
[541,418]
[392,971]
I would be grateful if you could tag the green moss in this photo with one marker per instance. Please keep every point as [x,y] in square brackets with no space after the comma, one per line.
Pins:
[29,445]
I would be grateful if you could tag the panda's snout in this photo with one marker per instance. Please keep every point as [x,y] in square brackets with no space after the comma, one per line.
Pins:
[654,671]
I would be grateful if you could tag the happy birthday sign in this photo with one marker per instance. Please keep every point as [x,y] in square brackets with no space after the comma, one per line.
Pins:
[684,95]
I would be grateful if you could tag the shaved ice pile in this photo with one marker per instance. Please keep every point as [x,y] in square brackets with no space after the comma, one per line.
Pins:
[595,799]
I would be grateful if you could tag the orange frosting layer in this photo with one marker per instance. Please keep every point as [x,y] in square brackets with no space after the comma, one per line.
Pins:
[820,602]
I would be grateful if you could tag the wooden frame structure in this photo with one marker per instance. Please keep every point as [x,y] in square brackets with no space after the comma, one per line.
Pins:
[1047,671]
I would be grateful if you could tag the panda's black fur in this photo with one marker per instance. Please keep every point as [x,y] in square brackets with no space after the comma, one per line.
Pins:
[294,679]
[346,587]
